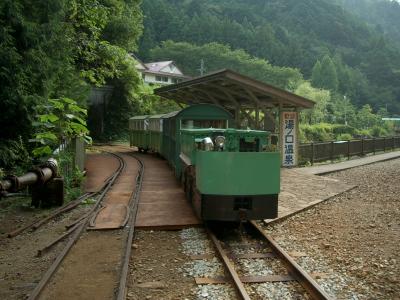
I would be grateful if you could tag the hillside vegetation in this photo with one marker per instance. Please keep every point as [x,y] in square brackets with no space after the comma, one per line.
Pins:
[383,15]
[358,60]
[51,53]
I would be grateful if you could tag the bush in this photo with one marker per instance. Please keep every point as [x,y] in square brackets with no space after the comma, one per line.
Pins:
[13,153]
[317,132]
[378,131]
[364,133]
[344,137]
[343,129]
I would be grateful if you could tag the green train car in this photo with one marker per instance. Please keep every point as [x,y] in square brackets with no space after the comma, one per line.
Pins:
[228,174]
[138,133]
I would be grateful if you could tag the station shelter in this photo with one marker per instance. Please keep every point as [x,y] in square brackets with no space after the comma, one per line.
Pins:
[254,105]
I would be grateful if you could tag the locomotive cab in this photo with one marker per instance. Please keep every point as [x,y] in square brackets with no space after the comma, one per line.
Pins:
[230,174]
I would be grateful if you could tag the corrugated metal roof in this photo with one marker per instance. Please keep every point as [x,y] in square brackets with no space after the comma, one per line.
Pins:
[230,89]
[159,116]
[159,65]
[139,117]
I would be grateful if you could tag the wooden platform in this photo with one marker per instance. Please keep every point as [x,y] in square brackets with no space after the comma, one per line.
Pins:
[162,202]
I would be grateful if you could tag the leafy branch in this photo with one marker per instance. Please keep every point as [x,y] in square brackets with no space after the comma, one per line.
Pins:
[60,120]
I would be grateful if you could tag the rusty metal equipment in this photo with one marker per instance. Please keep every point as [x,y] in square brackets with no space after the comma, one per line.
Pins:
[46,186]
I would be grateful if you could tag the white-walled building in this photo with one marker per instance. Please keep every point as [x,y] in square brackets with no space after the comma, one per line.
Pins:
[161,72]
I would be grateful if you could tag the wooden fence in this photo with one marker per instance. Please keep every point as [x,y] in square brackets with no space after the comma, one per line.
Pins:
[322,151]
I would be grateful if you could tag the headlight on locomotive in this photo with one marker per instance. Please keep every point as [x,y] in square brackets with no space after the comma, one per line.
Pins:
[208,144]
[220,141]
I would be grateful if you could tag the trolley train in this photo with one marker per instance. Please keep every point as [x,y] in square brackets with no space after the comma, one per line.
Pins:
[228,174]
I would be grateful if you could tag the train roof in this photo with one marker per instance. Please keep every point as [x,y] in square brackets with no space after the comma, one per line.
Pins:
[159,116]
[200,130]
[171,114]
[139,117]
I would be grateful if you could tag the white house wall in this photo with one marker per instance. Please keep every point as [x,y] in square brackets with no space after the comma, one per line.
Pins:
[151,78]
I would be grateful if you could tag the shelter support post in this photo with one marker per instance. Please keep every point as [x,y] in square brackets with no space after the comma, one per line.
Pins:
[269,121]
[257,117]
[237,116]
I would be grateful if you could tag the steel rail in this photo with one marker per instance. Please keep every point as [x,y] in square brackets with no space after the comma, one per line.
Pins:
[229,266]
[134,203]
[308,283]
[78,231]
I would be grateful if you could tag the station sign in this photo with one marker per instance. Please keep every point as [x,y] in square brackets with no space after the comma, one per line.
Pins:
[289,136]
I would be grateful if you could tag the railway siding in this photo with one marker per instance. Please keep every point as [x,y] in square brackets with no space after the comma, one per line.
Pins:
[92,268]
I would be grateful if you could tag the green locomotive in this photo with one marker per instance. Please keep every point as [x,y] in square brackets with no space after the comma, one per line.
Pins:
[228,174]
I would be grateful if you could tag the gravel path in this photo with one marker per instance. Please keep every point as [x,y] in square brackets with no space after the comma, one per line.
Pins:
[352,241]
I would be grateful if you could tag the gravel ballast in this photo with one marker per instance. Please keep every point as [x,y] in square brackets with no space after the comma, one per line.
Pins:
[348,243]
[353,239]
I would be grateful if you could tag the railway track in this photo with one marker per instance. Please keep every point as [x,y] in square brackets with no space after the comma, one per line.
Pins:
[230,257]
[70,282]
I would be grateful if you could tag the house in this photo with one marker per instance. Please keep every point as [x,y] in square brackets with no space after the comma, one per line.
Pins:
[160,72]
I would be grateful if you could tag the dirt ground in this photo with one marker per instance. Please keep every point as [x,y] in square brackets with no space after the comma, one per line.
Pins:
[82,274]
[20,267]
[155,268]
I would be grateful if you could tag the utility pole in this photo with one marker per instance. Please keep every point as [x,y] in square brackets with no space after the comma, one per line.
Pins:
[345,110]
[202,68]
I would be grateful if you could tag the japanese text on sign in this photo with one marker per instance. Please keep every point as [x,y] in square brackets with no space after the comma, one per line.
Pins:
[289,130]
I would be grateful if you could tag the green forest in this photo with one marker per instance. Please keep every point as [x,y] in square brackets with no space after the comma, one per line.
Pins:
[344,55]
[327,51]
[295,34]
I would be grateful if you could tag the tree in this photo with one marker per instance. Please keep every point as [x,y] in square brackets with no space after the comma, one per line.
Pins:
[290,33]
[58,121]
[366,118]
[53,49]
[318,113]
[218,56]
[324,74]
[342,111]
[316,74]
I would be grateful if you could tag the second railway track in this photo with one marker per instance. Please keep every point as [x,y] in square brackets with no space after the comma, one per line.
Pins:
[279,265]
[93,264]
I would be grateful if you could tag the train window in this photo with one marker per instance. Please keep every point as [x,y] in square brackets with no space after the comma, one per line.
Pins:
[248,145]
[192,124]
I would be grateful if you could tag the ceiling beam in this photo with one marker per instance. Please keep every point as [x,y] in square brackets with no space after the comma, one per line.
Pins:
[213,98]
